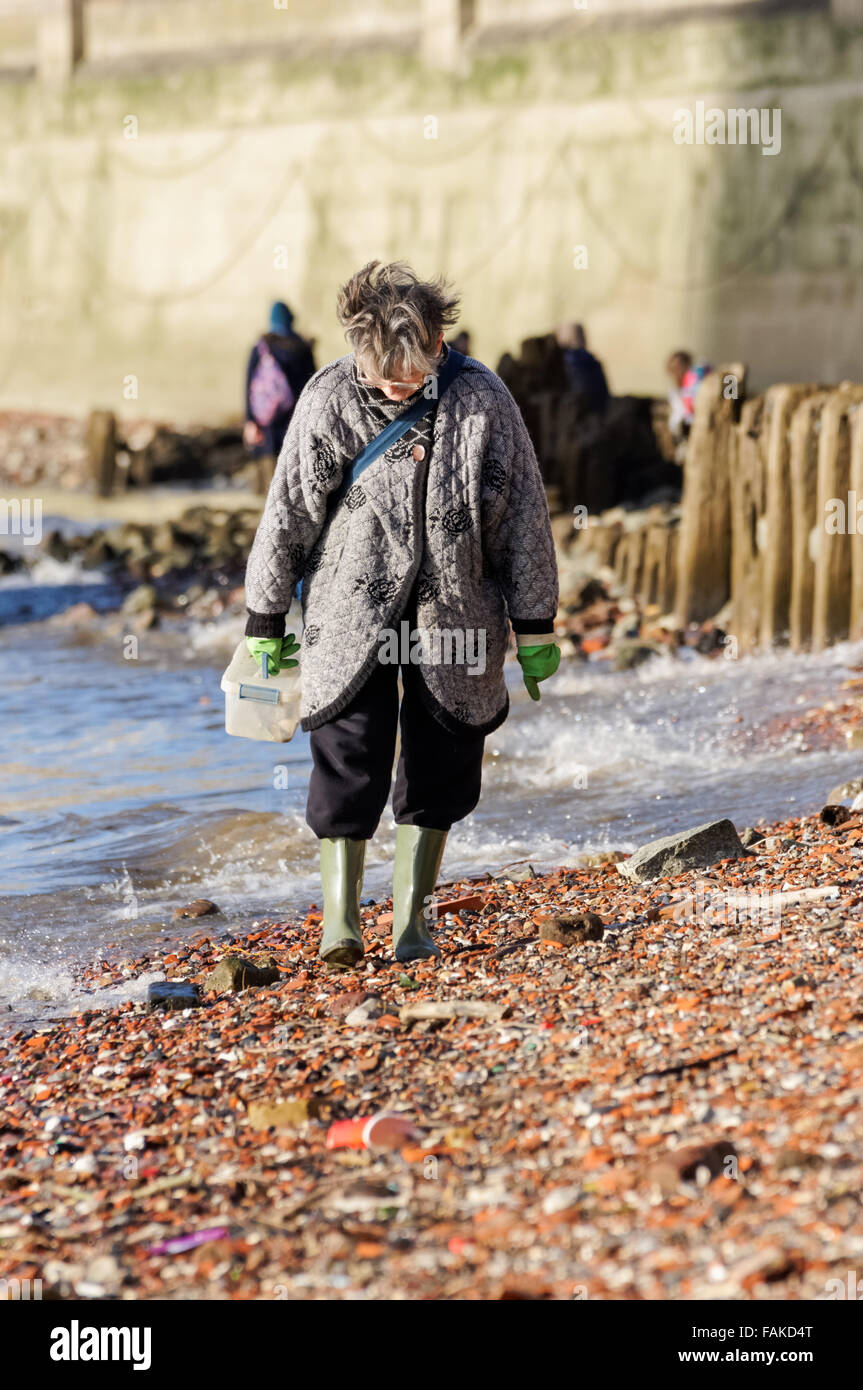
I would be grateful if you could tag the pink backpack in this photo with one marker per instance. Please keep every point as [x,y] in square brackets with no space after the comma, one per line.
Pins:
[269,390]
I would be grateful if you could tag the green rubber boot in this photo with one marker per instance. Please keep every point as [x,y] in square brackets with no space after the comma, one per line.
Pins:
[342,881]
[417,861]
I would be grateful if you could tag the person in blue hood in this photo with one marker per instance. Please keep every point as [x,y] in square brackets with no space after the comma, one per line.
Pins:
[584,372]
[280,364]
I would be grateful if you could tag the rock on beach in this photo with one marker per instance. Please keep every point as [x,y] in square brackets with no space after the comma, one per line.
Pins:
[700,848]
[236,973]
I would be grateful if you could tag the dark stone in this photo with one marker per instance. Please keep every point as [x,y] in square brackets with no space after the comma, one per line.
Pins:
[682,1165]
[834,814]
[173,994]
[710,639]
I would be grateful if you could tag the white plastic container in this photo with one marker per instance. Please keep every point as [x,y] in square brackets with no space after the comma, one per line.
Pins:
[259,706]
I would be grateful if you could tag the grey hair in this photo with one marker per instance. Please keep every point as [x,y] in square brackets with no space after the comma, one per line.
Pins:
[393,320]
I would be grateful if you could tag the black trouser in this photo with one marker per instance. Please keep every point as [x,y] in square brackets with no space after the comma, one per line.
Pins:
[438,776]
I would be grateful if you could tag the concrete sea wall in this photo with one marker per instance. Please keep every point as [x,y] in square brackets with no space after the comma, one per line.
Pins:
[168,167]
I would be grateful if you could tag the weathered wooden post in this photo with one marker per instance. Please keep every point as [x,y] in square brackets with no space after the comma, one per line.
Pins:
[747,510]
[775,538]
[831,605]
[856,621]
[704,548]
[102,450]
[658,571]
[803,469]
[629,559]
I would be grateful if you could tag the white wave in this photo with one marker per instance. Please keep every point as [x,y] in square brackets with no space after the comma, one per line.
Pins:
[53,573]
[34,991]
[218,636]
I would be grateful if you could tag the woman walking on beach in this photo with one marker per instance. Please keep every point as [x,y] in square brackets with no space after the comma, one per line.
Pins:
[415,565]
[279,366]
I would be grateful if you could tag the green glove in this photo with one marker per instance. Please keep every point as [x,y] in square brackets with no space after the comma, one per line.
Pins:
[537,664]
[278,649]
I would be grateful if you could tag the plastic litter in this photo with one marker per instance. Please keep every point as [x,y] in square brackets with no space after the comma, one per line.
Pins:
[381,1131]
[176,1245]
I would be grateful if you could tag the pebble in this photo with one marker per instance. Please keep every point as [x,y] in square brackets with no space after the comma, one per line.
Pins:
[173,995]
[201,907]
[543,1089]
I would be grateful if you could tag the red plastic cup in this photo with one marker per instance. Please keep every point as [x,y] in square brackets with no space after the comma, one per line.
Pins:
[388,1131]
[384,1130]
[346,1134]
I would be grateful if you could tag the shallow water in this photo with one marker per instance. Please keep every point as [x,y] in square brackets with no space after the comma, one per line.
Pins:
[124,798]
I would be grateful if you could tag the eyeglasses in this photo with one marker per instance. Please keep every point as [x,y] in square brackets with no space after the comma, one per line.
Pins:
[380,385]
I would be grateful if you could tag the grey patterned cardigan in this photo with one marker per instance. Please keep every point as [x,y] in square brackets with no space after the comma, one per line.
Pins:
[465,532]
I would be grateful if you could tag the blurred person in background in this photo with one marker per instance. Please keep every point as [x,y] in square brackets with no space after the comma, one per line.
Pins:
[280,364]
[461,342]
[686,377]
[584,372]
